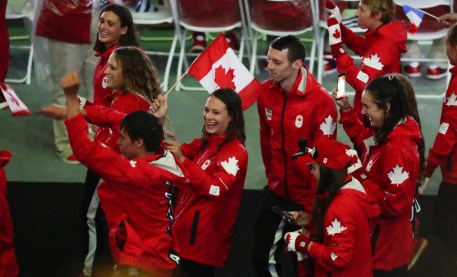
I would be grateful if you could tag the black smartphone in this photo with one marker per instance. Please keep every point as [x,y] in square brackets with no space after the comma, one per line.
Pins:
[341,85]
[283,213]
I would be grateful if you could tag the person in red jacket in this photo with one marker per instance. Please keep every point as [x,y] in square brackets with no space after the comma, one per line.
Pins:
[293,105]
[342,215]
[216,164]
[8,264]
[380,48]
[393,159]
[134,84]
[136,192]
[443,153]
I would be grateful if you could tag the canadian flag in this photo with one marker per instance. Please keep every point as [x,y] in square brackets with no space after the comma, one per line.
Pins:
[415,18]
[219,67]
[16,106]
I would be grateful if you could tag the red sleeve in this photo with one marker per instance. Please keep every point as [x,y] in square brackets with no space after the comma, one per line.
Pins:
[445,141]
[265,140]
[354,128]
[190,150]
[352,40]
[104,116]
[227,172]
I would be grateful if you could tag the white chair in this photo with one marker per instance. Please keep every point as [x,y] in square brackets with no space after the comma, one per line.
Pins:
[261,25]
[214,23]
[147,14]
[13,14]
[429,30]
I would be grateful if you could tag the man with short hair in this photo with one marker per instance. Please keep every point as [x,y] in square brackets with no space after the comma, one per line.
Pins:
[292,106]
[136,192]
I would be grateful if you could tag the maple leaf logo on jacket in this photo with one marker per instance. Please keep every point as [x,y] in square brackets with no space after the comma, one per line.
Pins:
[223,79]
[374,62]
[452,100]
[397,175]
[335,228]
[231,166]
[328,126]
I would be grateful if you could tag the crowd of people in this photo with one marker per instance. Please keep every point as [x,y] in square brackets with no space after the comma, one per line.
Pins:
[159,207]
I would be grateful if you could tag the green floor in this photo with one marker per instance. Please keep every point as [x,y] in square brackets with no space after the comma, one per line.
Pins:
[30,139]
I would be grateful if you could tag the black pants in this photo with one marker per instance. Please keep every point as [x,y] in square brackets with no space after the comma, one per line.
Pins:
[100,262]
[193,269]
[268,226]
[401,271]
[445,216]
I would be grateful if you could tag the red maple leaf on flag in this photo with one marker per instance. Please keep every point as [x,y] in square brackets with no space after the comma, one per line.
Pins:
[336,34]
[224,80]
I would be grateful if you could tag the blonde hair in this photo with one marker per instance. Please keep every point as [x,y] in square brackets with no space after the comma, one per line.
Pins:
[386,7]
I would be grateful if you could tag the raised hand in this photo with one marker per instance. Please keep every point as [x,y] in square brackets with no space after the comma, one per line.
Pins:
[333,10]
[70,83]
[174,146]
[159,108]
[335,39]
[341,101]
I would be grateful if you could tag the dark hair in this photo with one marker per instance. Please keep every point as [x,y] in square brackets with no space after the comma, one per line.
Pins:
[330,183]
[125,17]
[140,75]
[396,90]
[235,129]
[144,125]
[293,44]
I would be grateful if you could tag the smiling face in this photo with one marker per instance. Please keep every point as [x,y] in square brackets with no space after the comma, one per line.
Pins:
[109,29]
[366,19]
[216,116]
[113,73]
[375,113]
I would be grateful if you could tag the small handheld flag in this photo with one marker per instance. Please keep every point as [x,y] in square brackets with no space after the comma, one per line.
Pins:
[415,17]
[17,107]
[219,67]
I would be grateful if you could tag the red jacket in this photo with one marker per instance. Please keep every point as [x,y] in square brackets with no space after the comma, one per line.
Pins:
[346,250]
[8,265]
[206,210]
[136,198]
[444,150]
[380,51]
[394,166]
[101,91]
[305,112]
[65,20]
[123,103]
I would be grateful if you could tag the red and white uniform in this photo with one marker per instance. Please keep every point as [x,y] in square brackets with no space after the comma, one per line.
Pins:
[308,112]
[207,209]
[122,102]
[394,166]
[346,249]
[8,265]
[136,198]
[101,91]
[444,150]
[380,50]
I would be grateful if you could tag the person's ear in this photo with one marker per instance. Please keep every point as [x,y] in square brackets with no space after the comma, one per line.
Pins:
[297,64]
[378,15]
[388,106]
[124,30]
[139,143]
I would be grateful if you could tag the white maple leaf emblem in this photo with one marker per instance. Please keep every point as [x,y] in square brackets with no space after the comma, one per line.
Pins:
[374,62]
[133,163]
[231,166]
[328,126]
[335,228]
[452,100]
[397,175]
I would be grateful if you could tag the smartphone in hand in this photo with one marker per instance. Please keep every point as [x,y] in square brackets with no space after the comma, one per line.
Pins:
[283,213]
[341,85]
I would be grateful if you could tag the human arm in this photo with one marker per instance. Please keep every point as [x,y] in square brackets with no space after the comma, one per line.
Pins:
[354,128]
[159,108]
[301,218]
[449,18]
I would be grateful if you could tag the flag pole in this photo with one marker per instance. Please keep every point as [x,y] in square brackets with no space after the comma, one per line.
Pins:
[176,83]
[433,16]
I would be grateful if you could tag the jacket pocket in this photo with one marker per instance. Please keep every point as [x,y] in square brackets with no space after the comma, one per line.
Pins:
[193,231]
